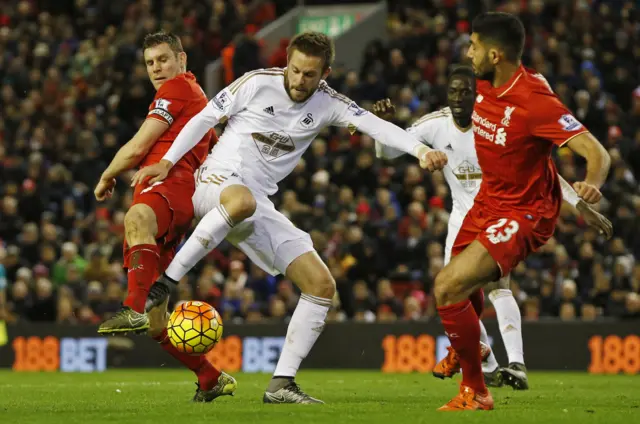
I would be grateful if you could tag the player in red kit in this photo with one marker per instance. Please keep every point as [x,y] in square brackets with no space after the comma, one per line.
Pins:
[517,120]
[161,213]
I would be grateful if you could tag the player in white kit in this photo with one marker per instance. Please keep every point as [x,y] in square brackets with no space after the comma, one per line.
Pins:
[273,116]
[450,130]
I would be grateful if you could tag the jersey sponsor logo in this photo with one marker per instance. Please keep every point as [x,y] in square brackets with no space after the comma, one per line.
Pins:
[356,110]
[483,122]
[486,129]
[501,137]
[307,121]
[221,101]
[468,174]
[273,145]
[508,111]
[569,122]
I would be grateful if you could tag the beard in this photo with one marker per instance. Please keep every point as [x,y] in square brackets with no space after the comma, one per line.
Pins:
[486,75]
[484,72]
[290,92]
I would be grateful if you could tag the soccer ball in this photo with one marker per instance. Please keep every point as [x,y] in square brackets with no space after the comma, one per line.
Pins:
[194,327]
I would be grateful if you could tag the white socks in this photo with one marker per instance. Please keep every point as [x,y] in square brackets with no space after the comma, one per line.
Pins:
[304,329]
[491,364]
[509,321]
[211,230]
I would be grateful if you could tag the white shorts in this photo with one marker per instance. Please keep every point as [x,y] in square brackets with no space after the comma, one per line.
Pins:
[268,238]
[455,223]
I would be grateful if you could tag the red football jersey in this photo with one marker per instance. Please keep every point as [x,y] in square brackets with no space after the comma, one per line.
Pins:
[176,102]
[515,127]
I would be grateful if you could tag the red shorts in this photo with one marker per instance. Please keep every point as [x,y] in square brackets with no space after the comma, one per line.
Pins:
[173,207]
[509,238]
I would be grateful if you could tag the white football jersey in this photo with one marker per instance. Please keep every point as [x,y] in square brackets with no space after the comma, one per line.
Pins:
[267,132]
[439,131]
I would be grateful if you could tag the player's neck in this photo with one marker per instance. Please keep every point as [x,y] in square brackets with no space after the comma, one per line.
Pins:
[504,72]
[463,125]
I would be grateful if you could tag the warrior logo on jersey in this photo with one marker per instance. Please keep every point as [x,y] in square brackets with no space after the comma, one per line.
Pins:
[273,145]
[508,111]
[569,122]
[307,121]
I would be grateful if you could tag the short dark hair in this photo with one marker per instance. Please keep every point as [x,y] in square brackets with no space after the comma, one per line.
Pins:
[462,70]
[161,37]
[313,43]
[503,29]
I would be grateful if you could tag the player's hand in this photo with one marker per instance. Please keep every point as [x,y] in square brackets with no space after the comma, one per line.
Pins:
[104,189]
[432,160]
[595,220]
[384,109]
[587,192]
[153,173]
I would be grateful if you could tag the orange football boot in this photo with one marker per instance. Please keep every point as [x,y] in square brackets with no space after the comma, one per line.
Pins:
[469,400]
[450,365]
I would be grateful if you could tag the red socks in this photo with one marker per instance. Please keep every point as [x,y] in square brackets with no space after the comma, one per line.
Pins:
[142,269]
[462,326]
[205,371]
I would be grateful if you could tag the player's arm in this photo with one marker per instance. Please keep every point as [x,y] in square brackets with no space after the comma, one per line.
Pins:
[129,156]
[549,119]
[132,153]
[390,135]
[591,216]
[224,105]
[422,130]
[598,163]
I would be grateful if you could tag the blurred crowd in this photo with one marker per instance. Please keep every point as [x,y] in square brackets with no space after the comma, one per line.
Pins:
[74,89]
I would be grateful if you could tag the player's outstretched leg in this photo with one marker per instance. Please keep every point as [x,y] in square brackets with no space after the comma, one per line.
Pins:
[212,383]
[236,204]
[509,320]
[141,260]
[460,279]
[318,288]
[490,367]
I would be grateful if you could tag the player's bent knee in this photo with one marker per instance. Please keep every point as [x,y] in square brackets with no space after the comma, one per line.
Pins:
[322,286]
[444,287]
[239,202]
[140,220]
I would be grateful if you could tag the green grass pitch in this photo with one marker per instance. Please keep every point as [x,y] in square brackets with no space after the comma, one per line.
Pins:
[163,396]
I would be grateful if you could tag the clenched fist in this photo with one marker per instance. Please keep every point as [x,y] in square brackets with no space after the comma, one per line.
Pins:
[104,189]
[432,160]
[587,192]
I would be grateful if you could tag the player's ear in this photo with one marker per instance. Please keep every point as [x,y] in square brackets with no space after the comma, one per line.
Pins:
[494,55]
[182,60]
[326,73]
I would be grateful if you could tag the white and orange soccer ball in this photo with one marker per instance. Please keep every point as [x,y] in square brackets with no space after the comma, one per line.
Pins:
[194,327]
